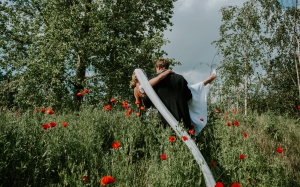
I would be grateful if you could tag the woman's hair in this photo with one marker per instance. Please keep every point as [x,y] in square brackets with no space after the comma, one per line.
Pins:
[162,63]
[134,79]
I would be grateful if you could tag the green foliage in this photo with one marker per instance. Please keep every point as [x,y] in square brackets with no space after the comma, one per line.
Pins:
[62,156]
[259,43]
[54,49]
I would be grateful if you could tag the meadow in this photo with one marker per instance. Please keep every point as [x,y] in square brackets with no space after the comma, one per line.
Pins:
[80,148]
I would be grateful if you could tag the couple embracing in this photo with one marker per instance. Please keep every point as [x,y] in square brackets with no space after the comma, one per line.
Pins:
[185,103]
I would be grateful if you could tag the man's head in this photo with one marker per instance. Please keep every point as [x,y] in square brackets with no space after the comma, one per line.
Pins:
[161,64]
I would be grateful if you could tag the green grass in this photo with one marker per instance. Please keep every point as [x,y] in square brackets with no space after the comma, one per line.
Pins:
[61,156]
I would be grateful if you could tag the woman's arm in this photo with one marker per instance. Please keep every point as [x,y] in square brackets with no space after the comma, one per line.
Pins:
[159,77]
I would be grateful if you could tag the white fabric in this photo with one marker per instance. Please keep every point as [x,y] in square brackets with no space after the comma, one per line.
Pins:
[141,89]
[198,107]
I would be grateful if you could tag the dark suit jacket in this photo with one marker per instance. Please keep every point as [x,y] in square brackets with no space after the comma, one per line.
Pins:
[174,93]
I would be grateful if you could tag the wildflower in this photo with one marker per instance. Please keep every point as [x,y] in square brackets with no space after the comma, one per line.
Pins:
[129,110]
[86,91]
[279,150]
[37,110]
[217,111]
[245,135]
[192,132]
[228,124]
[142,108]
[235,185]
[172,138]
[163,157]
[127,113]
[212,164]
[298,107]
[116,145]
[64,124]
[46,126]
[242,156]
[124,102]
[137,102]
[79,94]
[185,138]
[201,119]
[107,107]
[138,114]
[219,184]
[234,111]
[50,111]
[125,106]
[113,100]
[52,124]
[43,110]
[107,180]
[236,123]
[84,178]
[226,117]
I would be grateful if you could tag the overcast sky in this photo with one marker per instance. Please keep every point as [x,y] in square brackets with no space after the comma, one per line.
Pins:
[196,25]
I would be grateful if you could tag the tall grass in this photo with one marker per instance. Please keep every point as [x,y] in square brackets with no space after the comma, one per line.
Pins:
[62,156]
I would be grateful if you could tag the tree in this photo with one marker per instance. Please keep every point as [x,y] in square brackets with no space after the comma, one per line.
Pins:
[58,48]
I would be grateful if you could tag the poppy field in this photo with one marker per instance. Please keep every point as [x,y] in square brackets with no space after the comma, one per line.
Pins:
[118,145]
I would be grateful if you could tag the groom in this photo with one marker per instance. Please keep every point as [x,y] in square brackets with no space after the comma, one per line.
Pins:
[174,93]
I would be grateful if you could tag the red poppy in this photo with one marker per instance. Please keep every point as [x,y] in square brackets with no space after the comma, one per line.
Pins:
[138,114]
[279,150]
[137,102]
[79,94]
[163,157]
[298,107]
[245,135]
[212,164]
[226,117]
[185,138]
[126,106]
[50,111]
[113,100]
[64,124]
[242,156]
[52,124]
[142,108]
[86,91]
[107,107]
[172,138]
[217,111]
[192,132]
[37,110]
[46,126]
[201,119]
[124,102]
[235,185]
[228,124]
[107,180]
[43,110]
[84,178]
[219,184]
[234,111]
[116,145]
[129,111]
[236,123]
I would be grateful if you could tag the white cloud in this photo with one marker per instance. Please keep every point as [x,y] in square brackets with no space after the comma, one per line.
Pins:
[184,5]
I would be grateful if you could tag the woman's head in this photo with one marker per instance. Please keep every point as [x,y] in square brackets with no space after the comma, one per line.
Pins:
[134,79]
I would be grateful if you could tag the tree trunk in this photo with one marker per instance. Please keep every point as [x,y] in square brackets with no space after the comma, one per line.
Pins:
[80,75]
